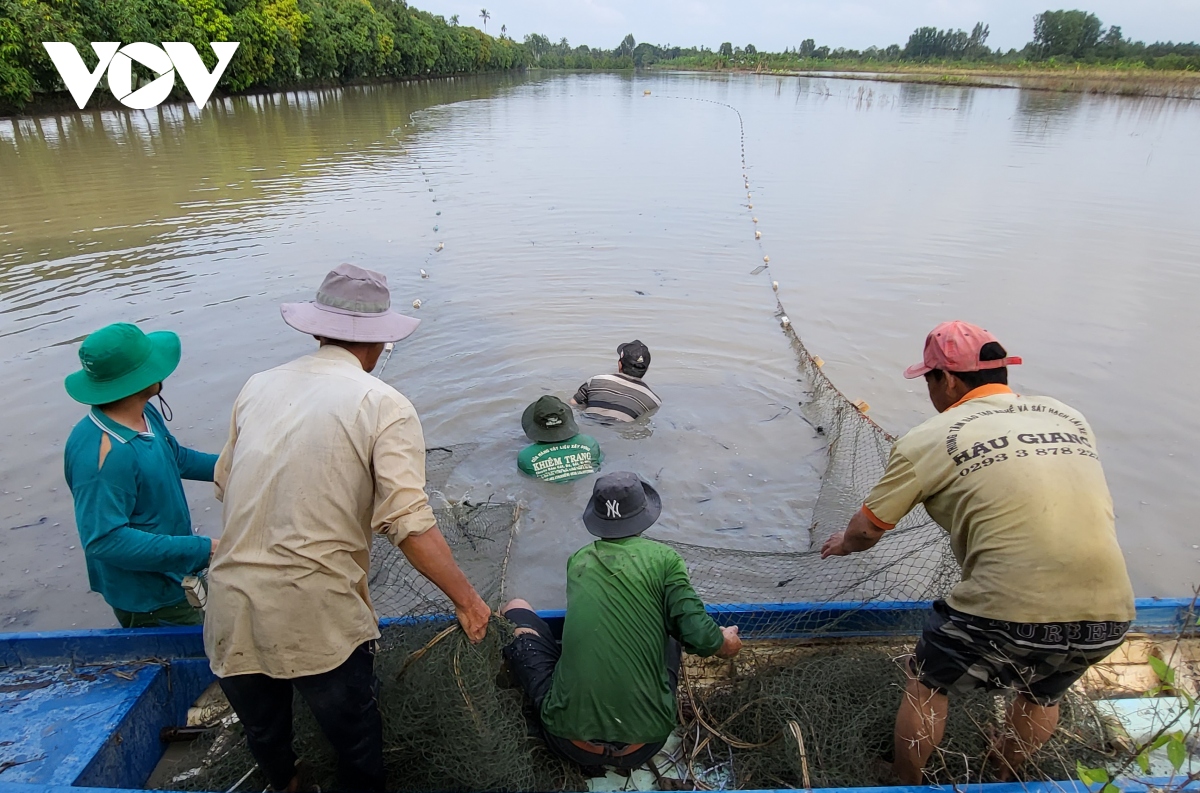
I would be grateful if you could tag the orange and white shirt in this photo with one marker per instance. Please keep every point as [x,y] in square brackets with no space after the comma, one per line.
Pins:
[1017,482]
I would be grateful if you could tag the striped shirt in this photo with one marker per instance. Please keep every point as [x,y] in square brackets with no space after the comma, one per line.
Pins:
[616,396]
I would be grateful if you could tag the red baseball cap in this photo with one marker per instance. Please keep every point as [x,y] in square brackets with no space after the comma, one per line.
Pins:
[954,347]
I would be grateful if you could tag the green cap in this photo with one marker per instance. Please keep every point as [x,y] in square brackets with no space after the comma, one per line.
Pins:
[119,361]
[549,420]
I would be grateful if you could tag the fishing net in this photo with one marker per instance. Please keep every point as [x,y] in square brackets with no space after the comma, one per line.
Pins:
[784,714]
[480,534]
[453,722]
[449,724]
[822,716]
[913,561]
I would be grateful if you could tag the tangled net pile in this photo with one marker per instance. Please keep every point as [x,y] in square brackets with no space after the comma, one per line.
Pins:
[822,715]
[448,725]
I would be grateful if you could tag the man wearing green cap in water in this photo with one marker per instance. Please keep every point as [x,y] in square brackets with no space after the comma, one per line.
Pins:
[559,453]
[124,470]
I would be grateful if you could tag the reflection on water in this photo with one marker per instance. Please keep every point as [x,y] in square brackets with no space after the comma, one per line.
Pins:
[558,216]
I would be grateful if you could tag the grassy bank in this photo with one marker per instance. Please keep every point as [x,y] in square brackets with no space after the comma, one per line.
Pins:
[1115,79]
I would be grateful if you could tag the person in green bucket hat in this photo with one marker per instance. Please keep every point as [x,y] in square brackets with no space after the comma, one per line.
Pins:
[559,452]
[124,469]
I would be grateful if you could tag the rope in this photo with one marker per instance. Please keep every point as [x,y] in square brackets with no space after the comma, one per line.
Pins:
[781,313]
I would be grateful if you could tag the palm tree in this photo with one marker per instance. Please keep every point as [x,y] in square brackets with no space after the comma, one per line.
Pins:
[454,20]
[485,16]
[503,31]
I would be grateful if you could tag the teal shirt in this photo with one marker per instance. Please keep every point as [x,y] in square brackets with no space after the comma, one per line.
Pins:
[624,597]
[131,513]
[564,461]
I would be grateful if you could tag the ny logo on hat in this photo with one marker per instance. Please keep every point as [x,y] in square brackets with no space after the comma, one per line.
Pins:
[614,509]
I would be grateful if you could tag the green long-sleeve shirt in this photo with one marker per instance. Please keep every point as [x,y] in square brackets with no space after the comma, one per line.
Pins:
[131,512]
[624,597]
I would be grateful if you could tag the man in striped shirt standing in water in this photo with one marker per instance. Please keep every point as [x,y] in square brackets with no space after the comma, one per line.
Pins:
[621,396]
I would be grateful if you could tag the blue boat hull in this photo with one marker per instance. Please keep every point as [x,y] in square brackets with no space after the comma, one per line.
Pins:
[85,709]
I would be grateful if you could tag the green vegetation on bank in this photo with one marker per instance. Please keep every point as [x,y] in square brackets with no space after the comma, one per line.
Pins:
[1061,39]
[283,42]
[297,43]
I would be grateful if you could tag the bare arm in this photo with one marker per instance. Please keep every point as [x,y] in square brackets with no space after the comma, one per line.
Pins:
[431,557]
[860,535]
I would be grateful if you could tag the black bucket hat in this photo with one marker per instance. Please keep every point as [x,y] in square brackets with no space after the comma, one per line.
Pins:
[634,355]
[549,420]
[622,505]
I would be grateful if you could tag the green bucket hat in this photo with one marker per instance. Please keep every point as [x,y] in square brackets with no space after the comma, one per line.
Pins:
[119,361]
[549,420]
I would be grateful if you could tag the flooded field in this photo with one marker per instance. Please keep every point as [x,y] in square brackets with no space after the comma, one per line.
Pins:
[574,212]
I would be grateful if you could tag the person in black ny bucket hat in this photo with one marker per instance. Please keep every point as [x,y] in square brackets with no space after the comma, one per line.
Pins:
[622,505]
[607,696]
[559,452]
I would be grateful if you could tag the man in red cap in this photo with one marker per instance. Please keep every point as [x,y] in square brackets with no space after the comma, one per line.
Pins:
[1016,481]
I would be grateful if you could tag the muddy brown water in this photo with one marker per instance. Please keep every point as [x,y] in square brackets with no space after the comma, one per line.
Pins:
[577,212]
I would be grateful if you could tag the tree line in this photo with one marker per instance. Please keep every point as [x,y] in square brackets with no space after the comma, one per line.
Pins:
[290,43]
[1059,37]
[283,43]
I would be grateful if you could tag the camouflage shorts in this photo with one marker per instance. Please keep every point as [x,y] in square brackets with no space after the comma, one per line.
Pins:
[1041,660]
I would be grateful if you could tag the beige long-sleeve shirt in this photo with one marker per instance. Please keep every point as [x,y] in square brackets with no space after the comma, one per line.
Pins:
[321,455]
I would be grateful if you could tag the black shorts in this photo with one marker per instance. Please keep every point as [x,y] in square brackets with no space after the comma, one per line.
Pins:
[532,658]
[1040,660]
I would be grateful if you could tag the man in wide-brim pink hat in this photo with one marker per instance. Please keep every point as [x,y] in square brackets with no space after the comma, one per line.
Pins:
[321,457]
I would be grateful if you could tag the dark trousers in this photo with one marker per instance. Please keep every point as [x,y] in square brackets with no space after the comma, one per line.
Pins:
[168,616]
[532,659]
[345,702]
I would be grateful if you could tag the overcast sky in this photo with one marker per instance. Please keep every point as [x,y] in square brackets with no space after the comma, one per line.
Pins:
[775,24]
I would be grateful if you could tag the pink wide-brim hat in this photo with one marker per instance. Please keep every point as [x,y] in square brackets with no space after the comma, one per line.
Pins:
[353,304]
